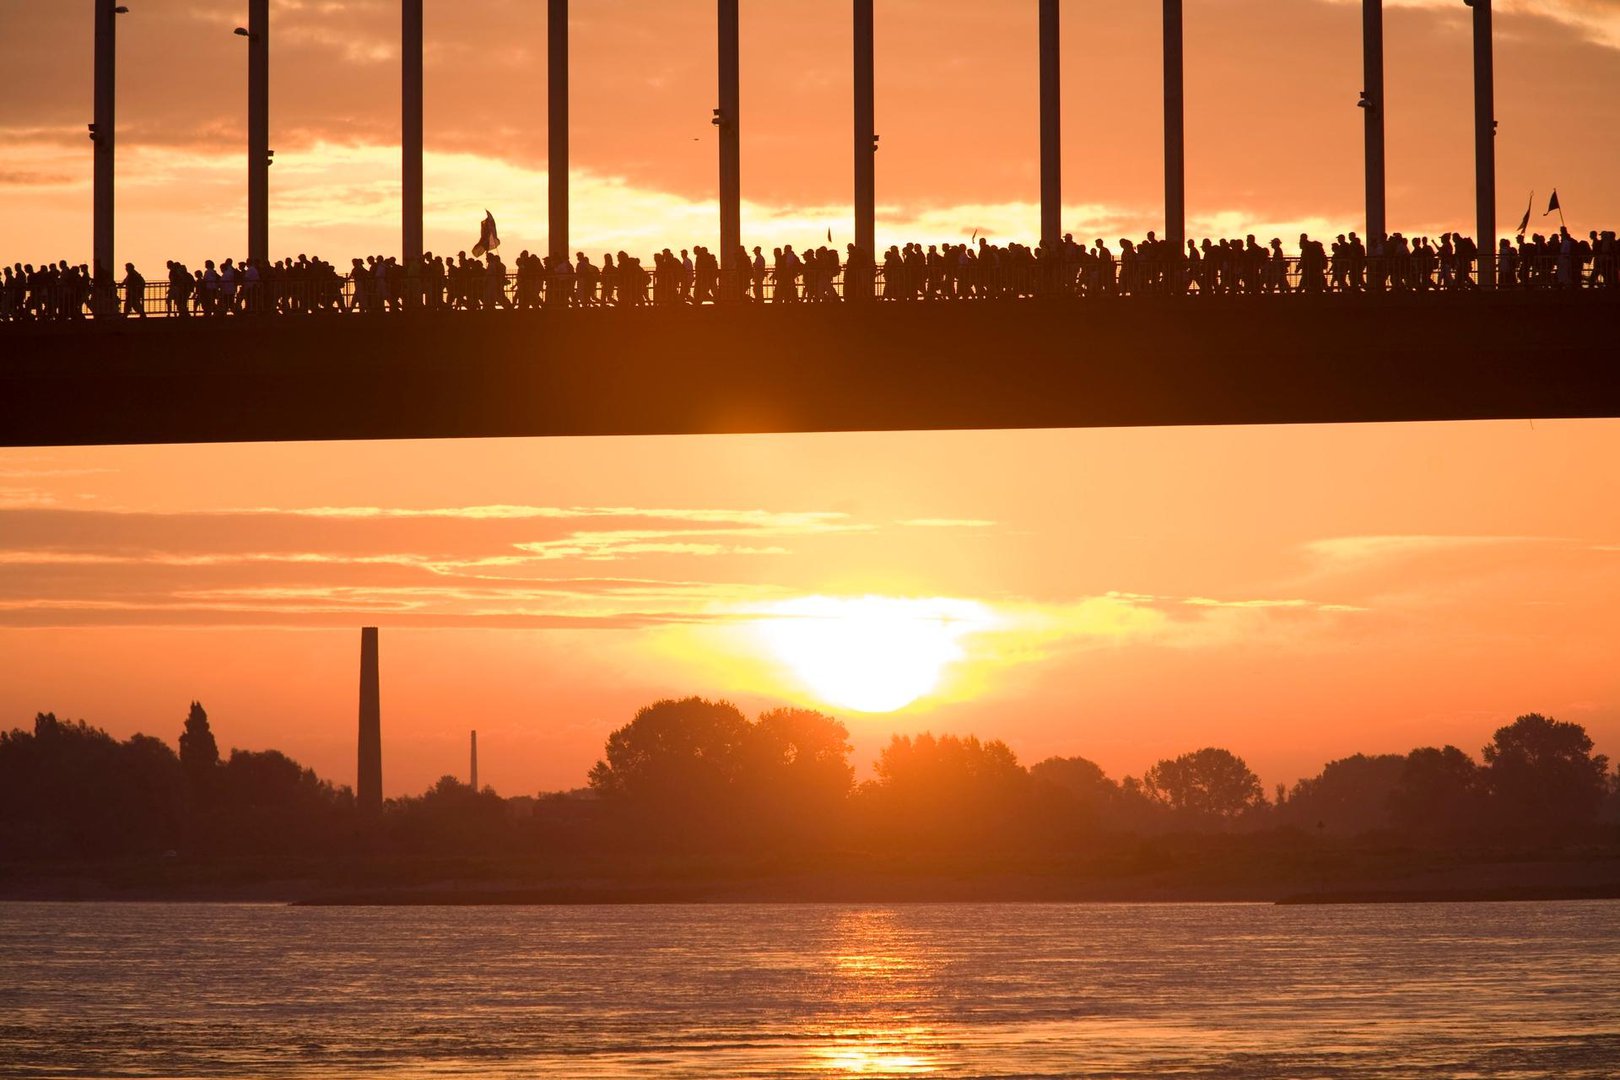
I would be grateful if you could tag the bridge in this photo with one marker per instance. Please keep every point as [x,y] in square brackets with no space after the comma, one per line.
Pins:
[721,369]
[1023,362]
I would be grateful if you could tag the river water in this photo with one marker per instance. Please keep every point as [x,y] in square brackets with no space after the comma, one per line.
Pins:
[950,990]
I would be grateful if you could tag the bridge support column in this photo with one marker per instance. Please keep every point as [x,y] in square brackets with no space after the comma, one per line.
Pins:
[1484,142]
[1175,149]
[103,136]
[557,127]
[411,243]
[1051,129]
[259,130]
[859,287]
[1372,107]
[727,120]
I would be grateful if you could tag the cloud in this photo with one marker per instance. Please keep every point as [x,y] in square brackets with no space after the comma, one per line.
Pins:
[26,497]
[629,543]
[804,521]
[1597,20]
[22,178]
[1344,549]
[504,564]
[1264,604]
[336,198]
[1030,631]
[947,523]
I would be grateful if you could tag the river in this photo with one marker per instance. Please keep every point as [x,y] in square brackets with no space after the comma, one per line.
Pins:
[947,990]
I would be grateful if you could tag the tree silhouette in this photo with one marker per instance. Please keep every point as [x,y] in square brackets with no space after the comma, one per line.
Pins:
[675,770]
[451,818]
[1543,776]
[1439,793]
[1079,788]
[696,775]
[946,789]
[199,753]
[697,770]
[1350,796]
[797,767]
[1210,783]
[155,801]
[70,790]
[270,804]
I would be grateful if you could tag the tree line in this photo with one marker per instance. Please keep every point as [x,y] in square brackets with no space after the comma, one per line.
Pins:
[695,776]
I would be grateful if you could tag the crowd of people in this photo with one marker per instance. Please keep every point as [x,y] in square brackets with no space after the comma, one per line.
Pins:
[975,270]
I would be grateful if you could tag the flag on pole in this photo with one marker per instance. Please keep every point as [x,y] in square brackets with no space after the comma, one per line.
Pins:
[1553,206]
[1524,226]
[488,238]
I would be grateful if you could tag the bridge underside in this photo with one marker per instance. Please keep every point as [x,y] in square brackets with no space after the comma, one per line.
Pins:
[835,367]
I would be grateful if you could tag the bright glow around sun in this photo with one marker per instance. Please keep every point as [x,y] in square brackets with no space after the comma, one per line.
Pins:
[871,653]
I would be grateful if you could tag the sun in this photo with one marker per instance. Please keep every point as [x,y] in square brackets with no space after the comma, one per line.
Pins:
[871,654]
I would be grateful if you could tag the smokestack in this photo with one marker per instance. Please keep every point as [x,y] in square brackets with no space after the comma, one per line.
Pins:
[368,787]
[475,761]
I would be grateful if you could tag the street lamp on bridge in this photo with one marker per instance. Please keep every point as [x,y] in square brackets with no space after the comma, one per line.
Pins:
[1372,107]
[103,134]
[1484,141]
[410,142]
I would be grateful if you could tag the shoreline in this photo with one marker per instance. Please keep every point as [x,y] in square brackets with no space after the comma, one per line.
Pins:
[1595,879]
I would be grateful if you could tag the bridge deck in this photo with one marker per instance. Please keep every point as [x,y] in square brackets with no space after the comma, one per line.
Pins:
[836,367]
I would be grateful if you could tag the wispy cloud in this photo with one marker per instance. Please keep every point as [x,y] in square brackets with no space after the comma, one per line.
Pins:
[24,498]
[947,523]
[629,543]
[496,565]
[505,563]
[812,520]
[1398,546]
[1263,604]
[1597,20]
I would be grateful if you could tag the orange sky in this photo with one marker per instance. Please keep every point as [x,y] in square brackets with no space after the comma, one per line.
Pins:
[1295,594]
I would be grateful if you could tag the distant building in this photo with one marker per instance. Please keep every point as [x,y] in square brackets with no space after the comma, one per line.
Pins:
[368,785]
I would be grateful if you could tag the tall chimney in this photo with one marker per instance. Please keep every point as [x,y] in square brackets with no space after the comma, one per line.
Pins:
[475,762]
[368,788]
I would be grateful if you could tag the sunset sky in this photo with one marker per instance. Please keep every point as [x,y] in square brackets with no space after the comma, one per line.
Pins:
[1295,594]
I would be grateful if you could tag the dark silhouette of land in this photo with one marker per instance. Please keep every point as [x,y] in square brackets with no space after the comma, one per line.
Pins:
[694,801]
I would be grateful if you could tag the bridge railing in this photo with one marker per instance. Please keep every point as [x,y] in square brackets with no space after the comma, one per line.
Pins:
[334,296]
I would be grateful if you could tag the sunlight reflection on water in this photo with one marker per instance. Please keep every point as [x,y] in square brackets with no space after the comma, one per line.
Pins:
[1191,991]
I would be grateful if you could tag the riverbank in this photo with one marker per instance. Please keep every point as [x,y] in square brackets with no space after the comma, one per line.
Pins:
[1401,877]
